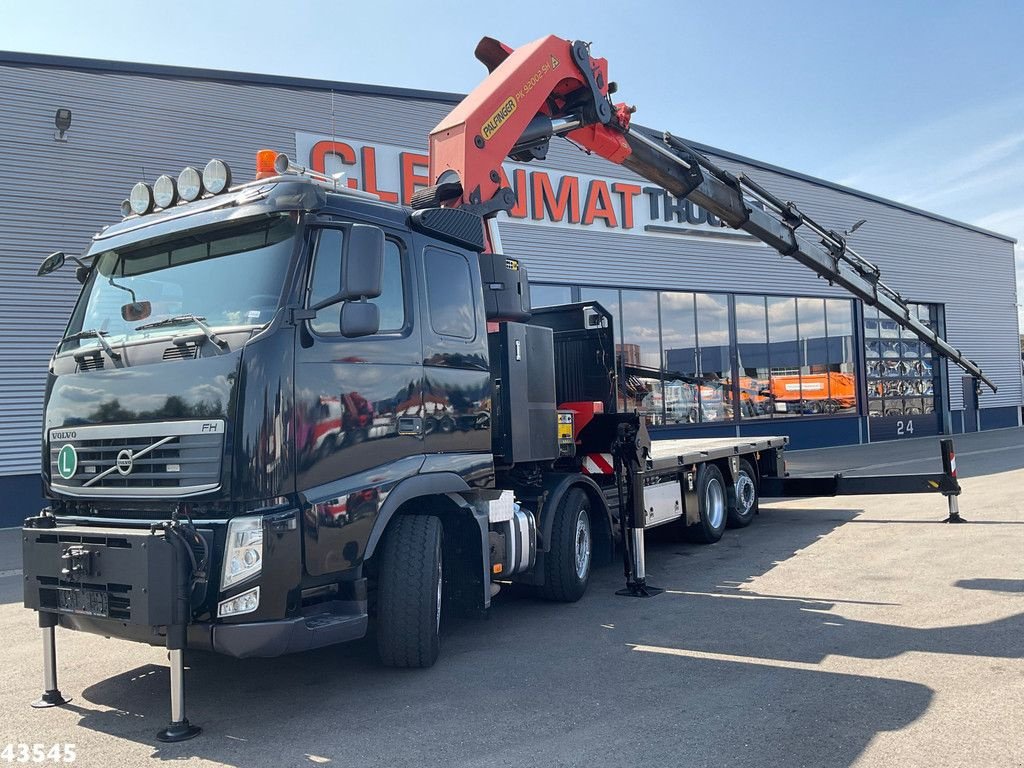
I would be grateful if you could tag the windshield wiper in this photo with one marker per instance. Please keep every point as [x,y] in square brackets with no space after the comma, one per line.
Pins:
[93,333]
[181,320]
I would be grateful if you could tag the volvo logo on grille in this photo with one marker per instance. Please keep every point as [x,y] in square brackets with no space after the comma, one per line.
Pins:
[125,461]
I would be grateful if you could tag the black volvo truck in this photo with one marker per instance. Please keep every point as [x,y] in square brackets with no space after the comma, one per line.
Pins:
[285,411]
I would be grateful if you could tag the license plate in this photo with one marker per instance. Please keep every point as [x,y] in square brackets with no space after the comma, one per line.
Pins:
[90,602]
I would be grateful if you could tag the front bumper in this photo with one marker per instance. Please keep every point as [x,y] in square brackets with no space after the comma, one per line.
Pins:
[134,584]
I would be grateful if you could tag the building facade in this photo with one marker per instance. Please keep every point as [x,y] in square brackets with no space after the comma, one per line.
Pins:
[717,334]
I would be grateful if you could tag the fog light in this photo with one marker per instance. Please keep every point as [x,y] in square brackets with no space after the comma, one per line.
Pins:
[247,602]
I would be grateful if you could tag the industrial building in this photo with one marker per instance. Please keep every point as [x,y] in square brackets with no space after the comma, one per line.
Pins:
[716,333]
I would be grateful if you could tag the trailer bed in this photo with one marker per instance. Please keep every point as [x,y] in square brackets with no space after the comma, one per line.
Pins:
[666,454]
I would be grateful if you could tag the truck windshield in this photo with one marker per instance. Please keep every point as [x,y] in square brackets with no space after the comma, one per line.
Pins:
[229,276]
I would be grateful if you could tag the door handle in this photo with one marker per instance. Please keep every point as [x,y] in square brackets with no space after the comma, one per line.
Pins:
[410,425]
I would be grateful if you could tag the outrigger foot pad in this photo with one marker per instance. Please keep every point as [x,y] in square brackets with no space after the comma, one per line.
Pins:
[638,589]
[52,698]
[954,519]
[182,731]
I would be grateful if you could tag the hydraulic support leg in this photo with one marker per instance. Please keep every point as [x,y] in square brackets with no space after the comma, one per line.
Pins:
[52,696]
[636,575]
[179,729]
[949,469]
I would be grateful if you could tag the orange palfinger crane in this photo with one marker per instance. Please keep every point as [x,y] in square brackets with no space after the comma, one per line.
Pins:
[554,87]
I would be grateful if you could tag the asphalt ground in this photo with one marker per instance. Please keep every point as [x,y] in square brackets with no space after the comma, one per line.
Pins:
[858,631]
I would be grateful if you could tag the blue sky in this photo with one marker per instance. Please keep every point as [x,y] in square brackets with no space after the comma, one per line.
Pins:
[921,102]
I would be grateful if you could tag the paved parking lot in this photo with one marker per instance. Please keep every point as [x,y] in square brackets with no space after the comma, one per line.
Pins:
[859,631]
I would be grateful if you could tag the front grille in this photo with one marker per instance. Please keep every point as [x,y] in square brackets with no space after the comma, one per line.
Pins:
[147,460]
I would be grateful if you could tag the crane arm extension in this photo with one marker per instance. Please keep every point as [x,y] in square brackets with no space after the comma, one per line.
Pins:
[677,168]
[552,87]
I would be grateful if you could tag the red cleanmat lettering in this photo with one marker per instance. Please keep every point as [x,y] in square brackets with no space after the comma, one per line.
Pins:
[412,178]
[369,157]
[626,192]
[318,157]
[555,206]
[599,204]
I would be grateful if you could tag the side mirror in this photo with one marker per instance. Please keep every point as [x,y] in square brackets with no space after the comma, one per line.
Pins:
[136,310]
[362,266]
[359,318]
[51,263]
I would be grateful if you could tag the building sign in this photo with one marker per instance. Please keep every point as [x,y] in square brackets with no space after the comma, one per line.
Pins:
[543,196]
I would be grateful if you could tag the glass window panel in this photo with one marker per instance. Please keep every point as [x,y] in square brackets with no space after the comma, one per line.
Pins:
[326,282]
[841,366]
[679,355]
[713,356]
[784,354]
[752,353]
[549,295]
[450,294]
[640,352]
[814,392]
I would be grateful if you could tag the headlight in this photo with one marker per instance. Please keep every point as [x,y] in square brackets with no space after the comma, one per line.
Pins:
[243,551]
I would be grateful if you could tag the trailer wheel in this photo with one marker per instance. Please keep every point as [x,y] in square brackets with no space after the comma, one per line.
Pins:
[743,498]
[570,554]
[409,592]
[711,503]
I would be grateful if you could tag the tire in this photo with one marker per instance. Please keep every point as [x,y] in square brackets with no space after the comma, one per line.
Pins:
[409,592]
[712,505]
[743,498]
[569,558]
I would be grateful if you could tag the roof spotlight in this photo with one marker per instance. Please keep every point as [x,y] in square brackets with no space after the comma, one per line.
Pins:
[216,176]
[126,208]
[141,199]
[190,184]
[165,192]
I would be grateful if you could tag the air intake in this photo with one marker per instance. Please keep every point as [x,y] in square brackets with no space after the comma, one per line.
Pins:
[181,352]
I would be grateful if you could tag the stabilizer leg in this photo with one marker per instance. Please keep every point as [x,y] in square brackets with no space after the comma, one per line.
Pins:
[179,729]
[52,696]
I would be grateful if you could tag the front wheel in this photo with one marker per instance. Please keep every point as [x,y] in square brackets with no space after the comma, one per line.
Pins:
[568,559]
[409,592]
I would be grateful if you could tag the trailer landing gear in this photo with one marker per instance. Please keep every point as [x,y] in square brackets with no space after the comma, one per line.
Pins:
[52,697]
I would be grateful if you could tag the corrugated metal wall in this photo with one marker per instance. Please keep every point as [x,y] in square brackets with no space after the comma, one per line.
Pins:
[128,126]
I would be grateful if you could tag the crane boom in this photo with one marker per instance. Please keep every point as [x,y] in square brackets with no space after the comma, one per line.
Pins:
[552,87]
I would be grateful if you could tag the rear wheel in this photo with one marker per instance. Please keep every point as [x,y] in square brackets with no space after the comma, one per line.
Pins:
[409,592]
[568,559]
[711,503]
[743,498]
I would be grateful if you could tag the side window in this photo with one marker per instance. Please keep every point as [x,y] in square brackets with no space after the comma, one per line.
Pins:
[450,294]
[325,281]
